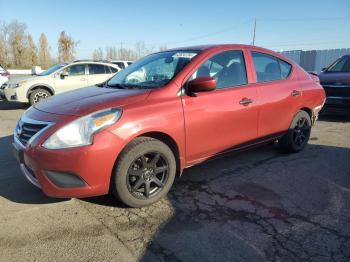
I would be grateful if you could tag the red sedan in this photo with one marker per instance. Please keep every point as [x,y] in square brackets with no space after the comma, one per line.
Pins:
[167,111]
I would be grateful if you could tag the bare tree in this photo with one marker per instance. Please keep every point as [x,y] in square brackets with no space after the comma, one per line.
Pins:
[44,52]
[18,43]
[4,49]
[66,47]
[163,47]
[97,54]
[126,54]
[111,53]
[32,52]
[142,50]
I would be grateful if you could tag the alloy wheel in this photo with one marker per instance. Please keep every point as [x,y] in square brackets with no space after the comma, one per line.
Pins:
[301,132]
[40,96]
[147,175]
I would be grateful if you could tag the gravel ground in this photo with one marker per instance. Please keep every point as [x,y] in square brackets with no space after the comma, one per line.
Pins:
[257,205]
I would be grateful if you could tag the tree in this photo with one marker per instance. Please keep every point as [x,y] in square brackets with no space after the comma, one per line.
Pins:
[18,43]
[4,50]
[32,52]
[142,50]
[98,54]
[66,47]
[163,47]
[111,53]
[44,52]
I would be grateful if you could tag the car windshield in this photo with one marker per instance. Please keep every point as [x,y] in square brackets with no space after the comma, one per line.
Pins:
[52,69]
[155,70]
[342,65]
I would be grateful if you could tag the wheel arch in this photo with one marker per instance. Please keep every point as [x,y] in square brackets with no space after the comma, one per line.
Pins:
[310,112]
[40,86]
[170,142]
[166,139]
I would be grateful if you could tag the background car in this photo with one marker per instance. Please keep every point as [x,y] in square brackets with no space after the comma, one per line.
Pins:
[4,76]
[58,79]
[335,80]
[122,63]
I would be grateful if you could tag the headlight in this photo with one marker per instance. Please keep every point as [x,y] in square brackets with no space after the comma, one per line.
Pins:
[15,85]
[80,132]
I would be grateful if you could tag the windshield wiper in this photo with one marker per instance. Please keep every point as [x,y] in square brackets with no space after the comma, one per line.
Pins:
[119,86]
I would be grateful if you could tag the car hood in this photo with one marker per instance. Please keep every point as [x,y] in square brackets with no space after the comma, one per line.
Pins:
[87,100]
[335,78]
[23,78]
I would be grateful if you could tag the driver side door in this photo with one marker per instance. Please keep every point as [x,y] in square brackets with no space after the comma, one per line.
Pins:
[75,78]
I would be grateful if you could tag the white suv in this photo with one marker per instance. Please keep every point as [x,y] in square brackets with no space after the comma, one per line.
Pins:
[4,75]
[58,79]
[122,63]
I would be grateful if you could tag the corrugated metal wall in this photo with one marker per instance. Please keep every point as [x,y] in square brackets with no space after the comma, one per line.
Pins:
[315,60]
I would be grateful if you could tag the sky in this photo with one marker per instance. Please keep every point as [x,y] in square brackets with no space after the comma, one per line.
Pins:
[280,25]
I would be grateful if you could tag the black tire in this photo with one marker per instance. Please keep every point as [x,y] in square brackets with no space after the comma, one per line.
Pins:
[145,163]
[38,95]
[298,134]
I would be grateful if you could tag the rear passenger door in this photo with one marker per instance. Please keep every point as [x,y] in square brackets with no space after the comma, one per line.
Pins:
[99,73]
[278,92]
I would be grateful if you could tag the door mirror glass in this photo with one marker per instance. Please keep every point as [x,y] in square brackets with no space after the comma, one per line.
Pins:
[202,84]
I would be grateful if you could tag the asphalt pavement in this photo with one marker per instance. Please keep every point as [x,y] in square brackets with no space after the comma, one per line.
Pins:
[256,205]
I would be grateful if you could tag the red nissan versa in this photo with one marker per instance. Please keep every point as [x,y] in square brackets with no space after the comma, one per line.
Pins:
[132,134]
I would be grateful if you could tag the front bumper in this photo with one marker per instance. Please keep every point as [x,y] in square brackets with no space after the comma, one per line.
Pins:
[336,106]
[10,94]
[93,165]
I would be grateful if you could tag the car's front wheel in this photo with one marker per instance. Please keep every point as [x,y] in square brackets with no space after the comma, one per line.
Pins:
[38,95]
[144,173]
[298,134]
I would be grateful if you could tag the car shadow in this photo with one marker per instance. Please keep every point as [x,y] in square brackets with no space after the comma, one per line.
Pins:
[249,206]
[6,105]
[13,185]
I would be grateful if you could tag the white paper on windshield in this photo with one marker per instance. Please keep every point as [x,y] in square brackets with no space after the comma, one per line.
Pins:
[184,55]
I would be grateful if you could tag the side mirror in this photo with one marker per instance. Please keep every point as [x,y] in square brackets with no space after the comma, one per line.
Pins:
[63,75]
[201,84]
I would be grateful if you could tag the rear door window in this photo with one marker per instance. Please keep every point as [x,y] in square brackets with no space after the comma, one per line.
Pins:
[120,64]
[270,68]
[112,69]
[96,69]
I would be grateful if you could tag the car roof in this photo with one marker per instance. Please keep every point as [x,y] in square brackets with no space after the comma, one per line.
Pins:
[94,62]
[233,46]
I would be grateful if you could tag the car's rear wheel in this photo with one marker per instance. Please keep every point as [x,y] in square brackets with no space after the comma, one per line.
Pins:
[38,95]
[144,173]
[298,134]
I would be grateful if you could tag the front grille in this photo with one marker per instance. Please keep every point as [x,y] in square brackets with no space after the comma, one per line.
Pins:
[25,131]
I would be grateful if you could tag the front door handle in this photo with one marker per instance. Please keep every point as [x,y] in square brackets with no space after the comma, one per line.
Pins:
[82,79]
[295,93]
[246,101]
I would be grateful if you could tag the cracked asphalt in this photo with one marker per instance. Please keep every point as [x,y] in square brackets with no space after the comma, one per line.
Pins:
[256,205]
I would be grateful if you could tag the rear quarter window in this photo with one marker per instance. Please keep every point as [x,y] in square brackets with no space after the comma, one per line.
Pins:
[286,68]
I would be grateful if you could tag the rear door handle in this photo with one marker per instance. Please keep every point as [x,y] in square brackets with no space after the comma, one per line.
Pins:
[246,101]
[295,93]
